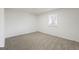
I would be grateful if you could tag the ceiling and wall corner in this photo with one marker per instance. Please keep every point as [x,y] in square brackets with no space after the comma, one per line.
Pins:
[34,11]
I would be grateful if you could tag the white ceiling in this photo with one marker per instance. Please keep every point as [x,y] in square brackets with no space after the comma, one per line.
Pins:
[33,10]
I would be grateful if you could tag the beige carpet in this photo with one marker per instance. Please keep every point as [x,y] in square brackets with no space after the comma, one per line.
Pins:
[39,41]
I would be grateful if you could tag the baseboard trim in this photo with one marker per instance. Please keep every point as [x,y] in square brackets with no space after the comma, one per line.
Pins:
[43,33]
[20,34]
[58,36]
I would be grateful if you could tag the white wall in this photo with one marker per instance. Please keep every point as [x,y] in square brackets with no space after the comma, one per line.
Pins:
[68,23]
[1,27]
[19,22]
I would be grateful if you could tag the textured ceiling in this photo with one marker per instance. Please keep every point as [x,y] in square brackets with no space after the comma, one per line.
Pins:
[33,10]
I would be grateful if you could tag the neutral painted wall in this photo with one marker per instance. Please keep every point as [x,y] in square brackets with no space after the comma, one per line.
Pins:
[2,27]
[68,23]
[19,22]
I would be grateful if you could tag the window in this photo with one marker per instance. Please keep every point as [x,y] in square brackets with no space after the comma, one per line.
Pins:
[52,20]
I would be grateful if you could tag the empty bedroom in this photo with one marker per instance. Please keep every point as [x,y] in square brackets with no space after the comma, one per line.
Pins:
[41,28]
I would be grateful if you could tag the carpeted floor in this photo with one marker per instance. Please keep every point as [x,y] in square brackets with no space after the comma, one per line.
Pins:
[39,41]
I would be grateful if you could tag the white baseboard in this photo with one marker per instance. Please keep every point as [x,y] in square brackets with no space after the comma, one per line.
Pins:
[19,34]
